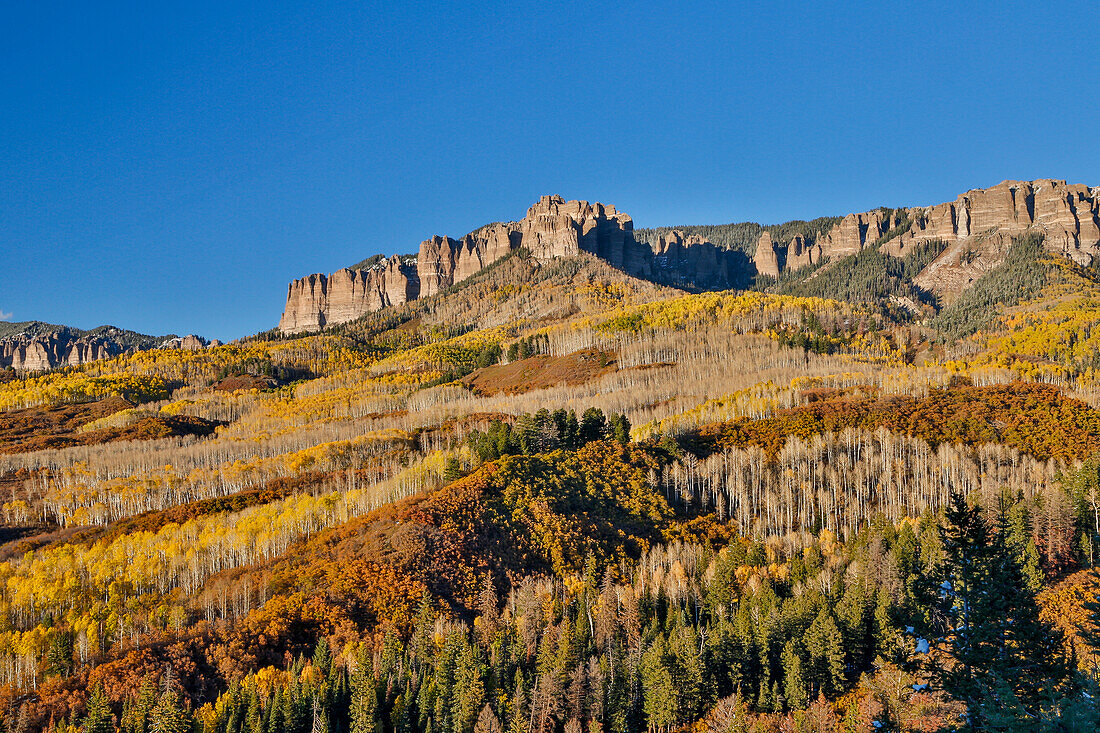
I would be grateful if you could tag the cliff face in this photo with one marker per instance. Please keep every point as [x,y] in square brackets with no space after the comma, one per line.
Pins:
[690,262]
[977,227]
[35,346]
[553,227]
[319,300]
[37,353]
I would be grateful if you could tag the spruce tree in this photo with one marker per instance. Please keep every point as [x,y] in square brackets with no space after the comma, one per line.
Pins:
[364,696]
[170,716]
[99,718]
[1008,664]
[143,707]
[469,688]
[825,647]
[794,682]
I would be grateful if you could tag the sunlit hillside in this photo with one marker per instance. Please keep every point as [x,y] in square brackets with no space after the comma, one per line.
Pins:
[551,497]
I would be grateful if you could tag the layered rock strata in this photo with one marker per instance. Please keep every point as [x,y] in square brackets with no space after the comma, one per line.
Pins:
[316,301]
[553,227]
[41,352]
[38,346]
[977,226]
[978,221]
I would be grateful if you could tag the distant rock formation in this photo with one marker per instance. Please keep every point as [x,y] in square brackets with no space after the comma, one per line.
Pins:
[38,353]
[1068,216]
[34,346]
[190,342]
[553,227]
[977,226]
[689,261]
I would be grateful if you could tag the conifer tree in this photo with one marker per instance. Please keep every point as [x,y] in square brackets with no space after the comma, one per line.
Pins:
[469,688]
[825,647]
[517,709]
[794,683]
[658,686]
[253,717]
[99,718]
[364,696]
[135,718]
[1009,665]
[169,715]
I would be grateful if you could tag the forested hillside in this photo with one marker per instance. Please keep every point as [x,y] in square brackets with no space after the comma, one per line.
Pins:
[552,498]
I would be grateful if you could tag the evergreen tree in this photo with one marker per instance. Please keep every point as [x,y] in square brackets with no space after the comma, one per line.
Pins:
[364,696]
[794,682]
[658,686]
[99,718]
[517,709]
[593,425]
[137,718]
[825,646]
[169,715]
[322,656]
[254,722]
[1009,664]
[59,658]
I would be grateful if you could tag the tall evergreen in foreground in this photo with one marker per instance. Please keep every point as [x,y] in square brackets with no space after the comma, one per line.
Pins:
[1008,665]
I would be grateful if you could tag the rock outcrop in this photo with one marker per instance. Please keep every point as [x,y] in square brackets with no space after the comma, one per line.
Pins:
[688,261]
[29,353]
[316,301]
[977,226]
[35,346]
[1067,215]
[190,342]
[978,221]
[553,227]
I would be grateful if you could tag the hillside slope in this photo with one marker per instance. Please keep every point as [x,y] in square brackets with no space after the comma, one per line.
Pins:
[551,496]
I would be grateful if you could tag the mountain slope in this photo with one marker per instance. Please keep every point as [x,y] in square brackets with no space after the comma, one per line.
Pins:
[971,236]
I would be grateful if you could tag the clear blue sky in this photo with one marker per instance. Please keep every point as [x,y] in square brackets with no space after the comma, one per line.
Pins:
[168,167]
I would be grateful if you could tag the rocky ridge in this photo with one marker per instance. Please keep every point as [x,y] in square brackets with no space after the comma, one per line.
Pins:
[34,346]
[553,227]
[977,227]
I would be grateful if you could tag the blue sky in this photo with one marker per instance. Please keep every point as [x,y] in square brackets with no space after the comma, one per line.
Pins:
[168,167]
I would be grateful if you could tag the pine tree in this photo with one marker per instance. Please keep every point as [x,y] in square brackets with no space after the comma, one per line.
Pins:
[452,471]
[487,721]
[254,717]
[794,682]
[364,697]
[469,688]
[658,688]
[59,658]
[322,656]
[825,646]
[593,425]
[170,716]
[99,718]
[688,673]
[135,719]
[1009,664]
[518,712]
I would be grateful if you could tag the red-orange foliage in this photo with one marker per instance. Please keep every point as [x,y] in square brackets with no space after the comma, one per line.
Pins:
[1034,418]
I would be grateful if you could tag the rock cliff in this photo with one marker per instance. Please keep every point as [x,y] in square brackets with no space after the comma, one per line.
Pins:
[316,301]
[976,226]
[34,346]
[553,227]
